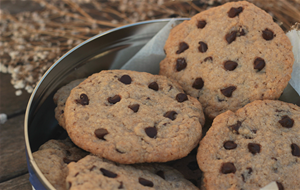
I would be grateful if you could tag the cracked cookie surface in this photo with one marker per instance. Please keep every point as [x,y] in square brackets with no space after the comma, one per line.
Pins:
[133,117]
[93,172]
[229,56]
[253,147]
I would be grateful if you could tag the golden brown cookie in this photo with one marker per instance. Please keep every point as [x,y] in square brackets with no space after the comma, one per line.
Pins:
[53,157]
[228,56]
[133,117]
[253,147]
[97,173]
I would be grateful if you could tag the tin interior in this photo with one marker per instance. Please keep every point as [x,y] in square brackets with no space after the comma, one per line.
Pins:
[110,50]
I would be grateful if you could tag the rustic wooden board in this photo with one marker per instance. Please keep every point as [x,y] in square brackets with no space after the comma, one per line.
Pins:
[17,183]
[9,102]
[12,149]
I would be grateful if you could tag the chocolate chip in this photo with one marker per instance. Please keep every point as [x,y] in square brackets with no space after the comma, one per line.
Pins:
[229,145]
[181,97]
[243,177]
[134,107]
[92,168]
[228,91]
[250,170]
[69,185]
[227,168]
[83,100]
[254,131]
[193,165]
[233,12]
[121,185]
[220,100]
[203,47]
[161,174]
[126,79]
[100,133]
[235,127]
[114,99]
[151,132]
[246,175]
[268,34]
[254,148]
[180,64]
[171,115]
[119,151]
[108,173]
[201,24]
[208,59]
[241,32]
[182,47]
[145,182]
[198,83]
[230,37]
[279,185]
[230,65]
[286,122]
[259,63]
[153,86]
[295,150]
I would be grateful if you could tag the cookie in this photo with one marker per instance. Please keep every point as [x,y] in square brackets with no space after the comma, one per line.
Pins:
[133,117]
[228,56]
[93,172]
[60,98]
[253,147]
[52,159]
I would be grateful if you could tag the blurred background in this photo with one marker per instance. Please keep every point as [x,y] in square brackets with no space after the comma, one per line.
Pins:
[35,33]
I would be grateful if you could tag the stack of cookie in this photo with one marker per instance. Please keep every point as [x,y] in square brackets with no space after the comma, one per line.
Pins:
[229,63]
[125,117]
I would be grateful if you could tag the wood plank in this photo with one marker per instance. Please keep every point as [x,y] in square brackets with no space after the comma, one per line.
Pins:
[9,102]
[12,149]
[21,182]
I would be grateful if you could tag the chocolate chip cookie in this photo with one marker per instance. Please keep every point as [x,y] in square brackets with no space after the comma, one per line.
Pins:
[133,117]
[93,172]
[228,56]
[52,159]
[60,98]
[253,147]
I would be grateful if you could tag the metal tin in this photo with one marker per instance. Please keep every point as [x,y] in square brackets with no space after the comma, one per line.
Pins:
[109,50]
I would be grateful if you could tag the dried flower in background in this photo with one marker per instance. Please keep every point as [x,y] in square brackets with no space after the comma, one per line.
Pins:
[37,33]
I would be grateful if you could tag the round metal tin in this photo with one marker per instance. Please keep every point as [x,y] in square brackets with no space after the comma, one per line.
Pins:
[109,50]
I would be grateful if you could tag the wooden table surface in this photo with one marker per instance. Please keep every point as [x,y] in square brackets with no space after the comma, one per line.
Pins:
[13,167]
